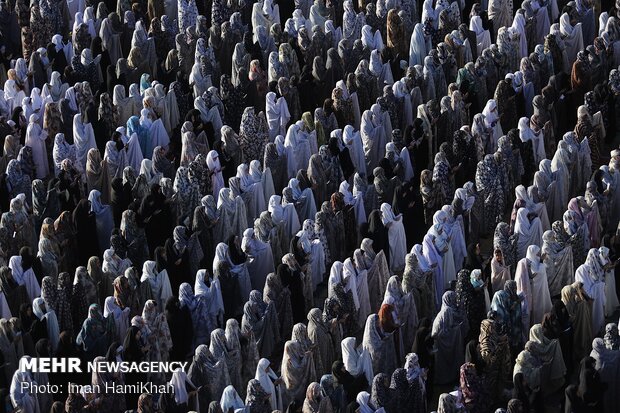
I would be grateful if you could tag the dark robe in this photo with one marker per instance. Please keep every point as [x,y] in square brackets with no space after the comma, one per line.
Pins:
[181,330]
[378,233]
[85,227]
[154,214]
[231,295]
[408,201]
[178,266]
[293,280]
[132,352]
[423,345]
[58,59]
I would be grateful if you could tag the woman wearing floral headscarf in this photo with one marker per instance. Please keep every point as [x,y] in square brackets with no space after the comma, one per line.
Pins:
[280,294]
[35,138]
[183,255]
[507,303]
[262,319]
[298,364]
[19,225]
[253,135]
[449,328]
[159,336]
[17,181]
[135,237]
[209,372]
[202,310]
[592,274]
[120,317]
[96,333]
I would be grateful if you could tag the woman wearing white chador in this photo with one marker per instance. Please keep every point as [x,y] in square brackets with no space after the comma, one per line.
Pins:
[401,158]
[396,236]
[572,37]
[518,27]
[302,199]
[611,298]
[348,283]
[455,230]
[523,196]
[547,183]
[230,400]
[120,317]
[418,46]
[491,121]
[212,294]
[382,71]
[529,230]
[592,275]
[312,246]
[526,133]
[285,217]
[370,40]
[240,271]
[483,37]
[159,283]
[26,278]
[35,138]
[266,377]
[156,130]
[406,308]
[217,179]
[356,268]
[251,192]
[438,250]
[353,142]
[356,360]
[264,178]
[299,143]
[277,114]
[84,138]
[266,14]
[374,135]
[356,201]
[531,279]
[23,399]
[261,259]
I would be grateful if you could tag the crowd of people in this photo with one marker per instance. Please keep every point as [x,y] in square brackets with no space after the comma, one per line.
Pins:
[186,180]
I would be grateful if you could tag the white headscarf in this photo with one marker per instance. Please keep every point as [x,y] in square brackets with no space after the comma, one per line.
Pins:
[178,381]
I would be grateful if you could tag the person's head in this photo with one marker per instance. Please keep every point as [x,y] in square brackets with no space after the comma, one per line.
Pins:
[338,367]
[498,255]
[160,254]
[327,106]
[27,257]
[66,338]
[26,309]
[145,403]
